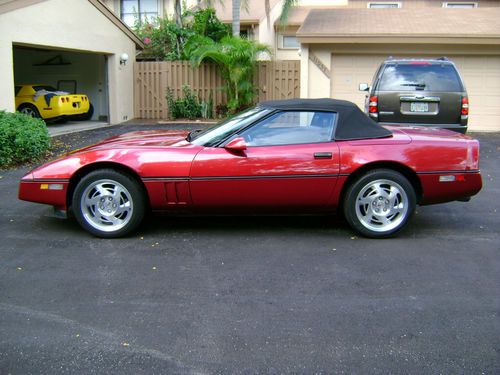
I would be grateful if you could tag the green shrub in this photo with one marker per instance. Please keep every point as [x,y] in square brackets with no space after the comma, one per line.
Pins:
[190,106]
[22,138]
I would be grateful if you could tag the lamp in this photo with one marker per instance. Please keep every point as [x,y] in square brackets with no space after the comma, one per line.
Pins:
[123,59]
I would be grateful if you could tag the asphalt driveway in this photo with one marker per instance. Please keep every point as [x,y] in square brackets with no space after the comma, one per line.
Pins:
[251,295]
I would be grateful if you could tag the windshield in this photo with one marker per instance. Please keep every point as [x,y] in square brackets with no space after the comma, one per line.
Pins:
[44,87]
[422,76]
[214,135]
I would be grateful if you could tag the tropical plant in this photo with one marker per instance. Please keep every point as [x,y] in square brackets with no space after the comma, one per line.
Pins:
[164,39]
[236,6]
[236,58]
[205,23]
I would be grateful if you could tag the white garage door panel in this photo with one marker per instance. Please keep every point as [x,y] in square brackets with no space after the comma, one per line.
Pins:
[348,71]
[481,75]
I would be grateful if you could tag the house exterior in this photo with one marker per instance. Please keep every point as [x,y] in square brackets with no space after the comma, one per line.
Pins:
[74,44]
[340,43]
[131,10]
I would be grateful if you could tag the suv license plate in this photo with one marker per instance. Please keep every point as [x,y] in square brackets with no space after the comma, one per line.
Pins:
[419,107]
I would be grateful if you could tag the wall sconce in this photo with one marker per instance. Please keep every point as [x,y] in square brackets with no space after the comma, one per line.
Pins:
[123,59]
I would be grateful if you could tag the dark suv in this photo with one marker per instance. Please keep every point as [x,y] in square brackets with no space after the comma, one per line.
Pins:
[424,92]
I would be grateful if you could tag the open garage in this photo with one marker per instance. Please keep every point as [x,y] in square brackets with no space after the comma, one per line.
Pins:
[77,46]
[72,72]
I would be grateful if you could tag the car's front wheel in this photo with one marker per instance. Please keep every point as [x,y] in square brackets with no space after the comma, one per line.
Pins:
[108,203]
[379,203]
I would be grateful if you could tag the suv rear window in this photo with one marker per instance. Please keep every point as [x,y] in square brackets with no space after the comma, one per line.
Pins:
[422,76]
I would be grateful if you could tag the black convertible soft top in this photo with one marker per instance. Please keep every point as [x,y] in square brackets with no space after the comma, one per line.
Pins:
[352,123]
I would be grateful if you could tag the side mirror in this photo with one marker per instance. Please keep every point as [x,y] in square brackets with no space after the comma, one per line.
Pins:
[236,144]
[364,87]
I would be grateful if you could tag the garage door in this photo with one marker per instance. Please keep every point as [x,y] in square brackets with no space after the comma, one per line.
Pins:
[481,75]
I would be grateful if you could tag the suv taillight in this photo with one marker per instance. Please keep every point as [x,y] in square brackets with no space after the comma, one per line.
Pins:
[373,104]
[465,106]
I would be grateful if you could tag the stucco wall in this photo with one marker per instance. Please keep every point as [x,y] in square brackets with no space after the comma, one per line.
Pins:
[72,25]
[319,82]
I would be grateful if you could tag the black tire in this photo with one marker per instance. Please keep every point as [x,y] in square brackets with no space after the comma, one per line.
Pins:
[84,116]
[379,203]
[108,203]
[88,115]
[29,110]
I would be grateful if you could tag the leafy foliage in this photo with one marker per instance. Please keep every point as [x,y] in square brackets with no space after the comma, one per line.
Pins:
[164,39]
[190,106]
[22,138]
[236,58]
[206,23]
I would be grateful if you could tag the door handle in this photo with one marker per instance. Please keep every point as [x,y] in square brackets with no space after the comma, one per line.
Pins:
[322,155]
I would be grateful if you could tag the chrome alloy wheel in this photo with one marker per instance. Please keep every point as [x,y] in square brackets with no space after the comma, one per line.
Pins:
[107,205]
[382,205]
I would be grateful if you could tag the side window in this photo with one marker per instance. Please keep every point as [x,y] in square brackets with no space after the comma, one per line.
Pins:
[291,127]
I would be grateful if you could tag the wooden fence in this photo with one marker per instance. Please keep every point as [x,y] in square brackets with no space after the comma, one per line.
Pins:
[273,80]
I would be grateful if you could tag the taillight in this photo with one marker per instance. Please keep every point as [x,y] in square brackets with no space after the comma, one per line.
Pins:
[373,104]
[465,106]
[63,100]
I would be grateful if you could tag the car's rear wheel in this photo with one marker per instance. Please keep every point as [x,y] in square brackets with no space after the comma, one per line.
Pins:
[379,203]
[29,110]
[108,203]
[88,115]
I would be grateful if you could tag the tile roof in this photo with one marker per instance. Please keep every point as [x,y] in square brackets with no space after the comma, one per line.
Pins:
[421,22]
[298,14]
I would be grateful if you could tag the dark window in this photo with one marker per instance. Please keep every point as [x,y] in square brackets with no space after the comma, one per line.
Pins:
[383,5]
[420,76]
[141,10]
[292,127]
[44,87]
[460,5]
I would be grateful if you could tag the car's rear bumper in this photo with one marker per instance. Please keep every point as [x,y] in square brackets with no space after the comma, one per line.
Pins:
[455,127]
[67,109]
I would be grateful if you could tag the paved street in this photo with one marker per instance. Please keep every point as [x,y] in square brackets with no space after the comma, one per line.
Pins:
[253,295]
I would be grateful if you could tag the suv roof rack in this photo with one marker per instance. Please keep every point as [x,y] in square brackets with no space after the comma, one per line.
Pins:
[409,59]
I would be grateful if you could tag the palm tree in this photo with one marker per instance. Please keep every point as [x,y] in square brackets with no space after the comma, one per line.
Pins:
[238,4]
[236,59]
[178,12]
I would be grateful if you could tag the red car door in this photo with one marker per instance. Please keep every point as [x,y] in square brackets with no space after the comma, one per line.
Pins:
[270,172]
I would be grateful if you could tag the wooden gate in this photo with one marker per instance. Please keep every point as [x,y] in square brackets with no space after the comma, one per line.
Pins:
[277,80]
[273,80]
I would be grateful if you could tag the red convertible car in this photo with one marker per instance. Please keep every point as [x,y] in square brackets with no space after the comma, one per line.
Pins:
[292,156]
